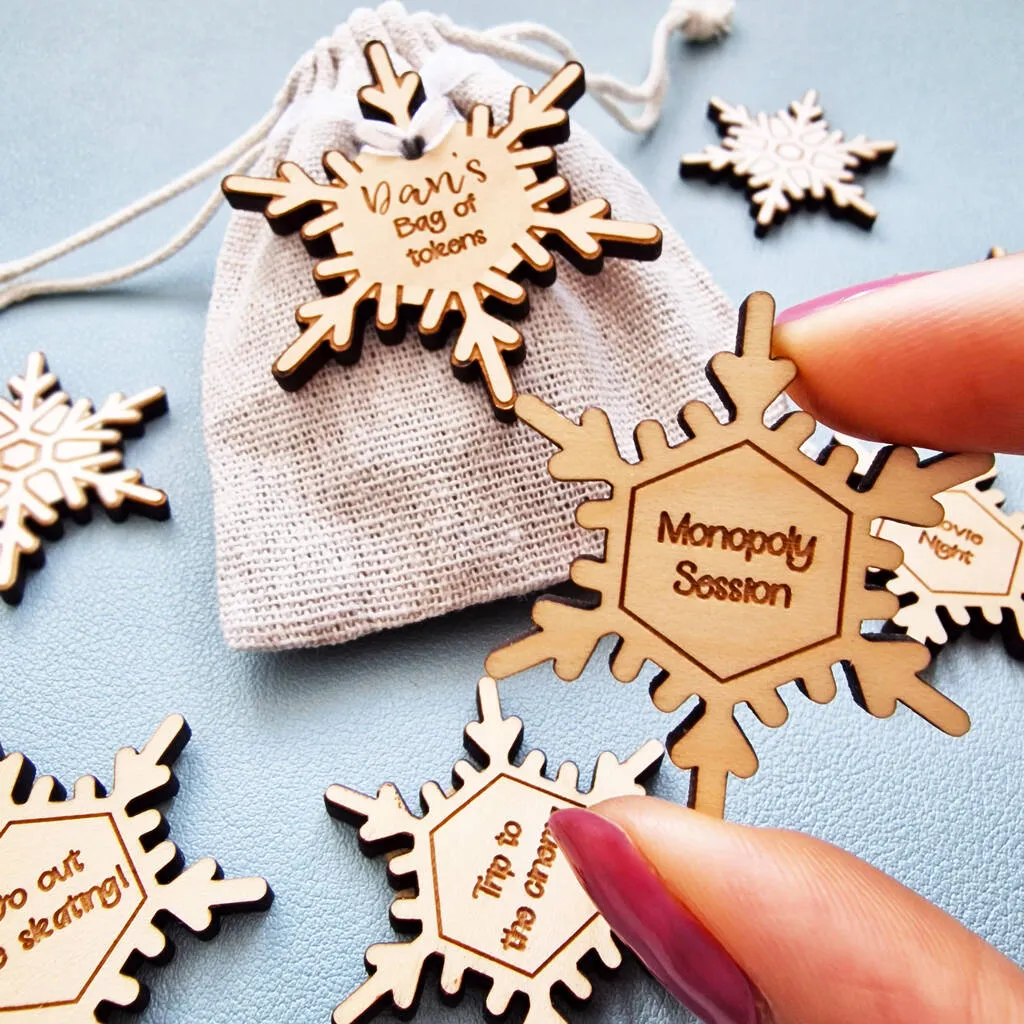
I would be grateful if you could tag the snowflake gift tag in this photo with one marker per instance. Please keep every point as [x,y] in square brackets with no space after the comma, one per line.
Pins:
[494,895]
[56,453]
[972,560]
[792,154]
[86,885]
[736,563]
[448,232]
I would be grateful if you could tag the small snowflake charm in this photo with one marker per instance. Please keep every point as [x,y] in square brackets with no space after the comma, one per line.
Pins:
[494,894]
[447,233]
[87,883]
[736,563]
[54,452]
[789,155]
[972,560]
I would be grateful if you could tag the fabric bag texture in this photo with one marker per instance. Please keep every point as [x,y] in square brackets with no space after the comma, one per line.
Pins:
[386,492]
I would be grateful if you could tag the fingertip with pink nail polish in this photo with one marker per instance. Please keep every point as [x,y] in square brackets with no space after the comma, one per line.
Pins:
[674,946]
[802,309]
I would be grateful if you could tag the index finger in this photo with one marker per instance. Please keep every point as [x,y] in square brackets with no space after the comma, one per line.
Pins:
[935,361]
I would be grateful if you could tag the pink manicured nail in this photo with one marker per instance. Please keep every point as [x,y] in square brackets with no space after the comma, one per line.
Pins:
[674,946]
[834,298]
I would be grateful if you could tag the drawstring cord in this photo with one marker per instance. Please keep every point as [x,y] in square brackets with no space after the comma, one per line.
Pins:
[697,20]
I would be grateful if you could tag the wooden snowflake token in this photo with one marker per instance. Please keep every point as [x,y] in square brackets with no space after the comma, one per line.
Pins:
[57,454]
[447,233]
[970,562]
[736,563]
[87,884]
[792,154]
[493,893]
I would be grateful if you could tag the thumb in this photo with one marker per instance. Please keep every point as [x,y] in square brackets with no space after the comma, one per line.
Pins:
[764,926]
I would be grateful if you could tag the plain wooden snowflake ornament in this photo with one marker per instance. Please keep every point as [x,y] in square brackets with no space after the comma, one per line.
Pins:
[736,563]
[792,154]
[494,894]
[56,454]
[446,235]
[87,884]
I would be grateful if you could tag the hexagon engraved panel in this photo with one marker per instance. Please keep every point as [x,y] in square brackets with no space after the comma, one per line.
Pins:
[969,552]
[732,546]
[60,917]
[496,863]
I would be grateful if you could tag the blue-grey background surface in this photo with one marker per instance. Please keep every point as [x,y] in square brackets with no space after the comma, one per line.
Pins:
[103,102]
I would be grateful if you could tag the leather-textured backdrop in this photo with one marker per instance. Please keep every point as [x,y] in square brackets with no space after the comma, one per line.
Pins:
[120,628]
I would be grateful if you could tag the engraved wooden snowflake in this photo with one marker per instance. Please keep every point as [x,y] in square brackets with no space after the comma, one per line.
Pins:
[57,453]
[791,154]
[971,561]
[447,234]
[494,895]
[736,563]
[86,885]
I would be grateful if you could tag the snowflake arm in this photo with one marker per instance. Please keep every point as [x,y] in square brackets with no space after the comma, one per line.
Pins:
[283,197]
[96,471]
[392,95]
[589,232]
[143,778]
[613,777]
[482,341]
[585,447]
[381,819]
[397,968]
[879,682]
[542,116]
[806,109]
[886,482]
[17,540]
[712,745]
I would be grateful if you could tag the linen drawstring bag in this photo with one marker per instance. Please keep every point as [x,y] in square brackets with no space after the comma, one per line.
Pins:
[386,492]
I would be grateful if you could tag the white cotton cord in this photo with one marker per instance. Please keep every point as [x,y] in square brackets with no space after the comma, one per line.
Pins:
[697,20]
[19,291]
[427,128]
[239,156]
